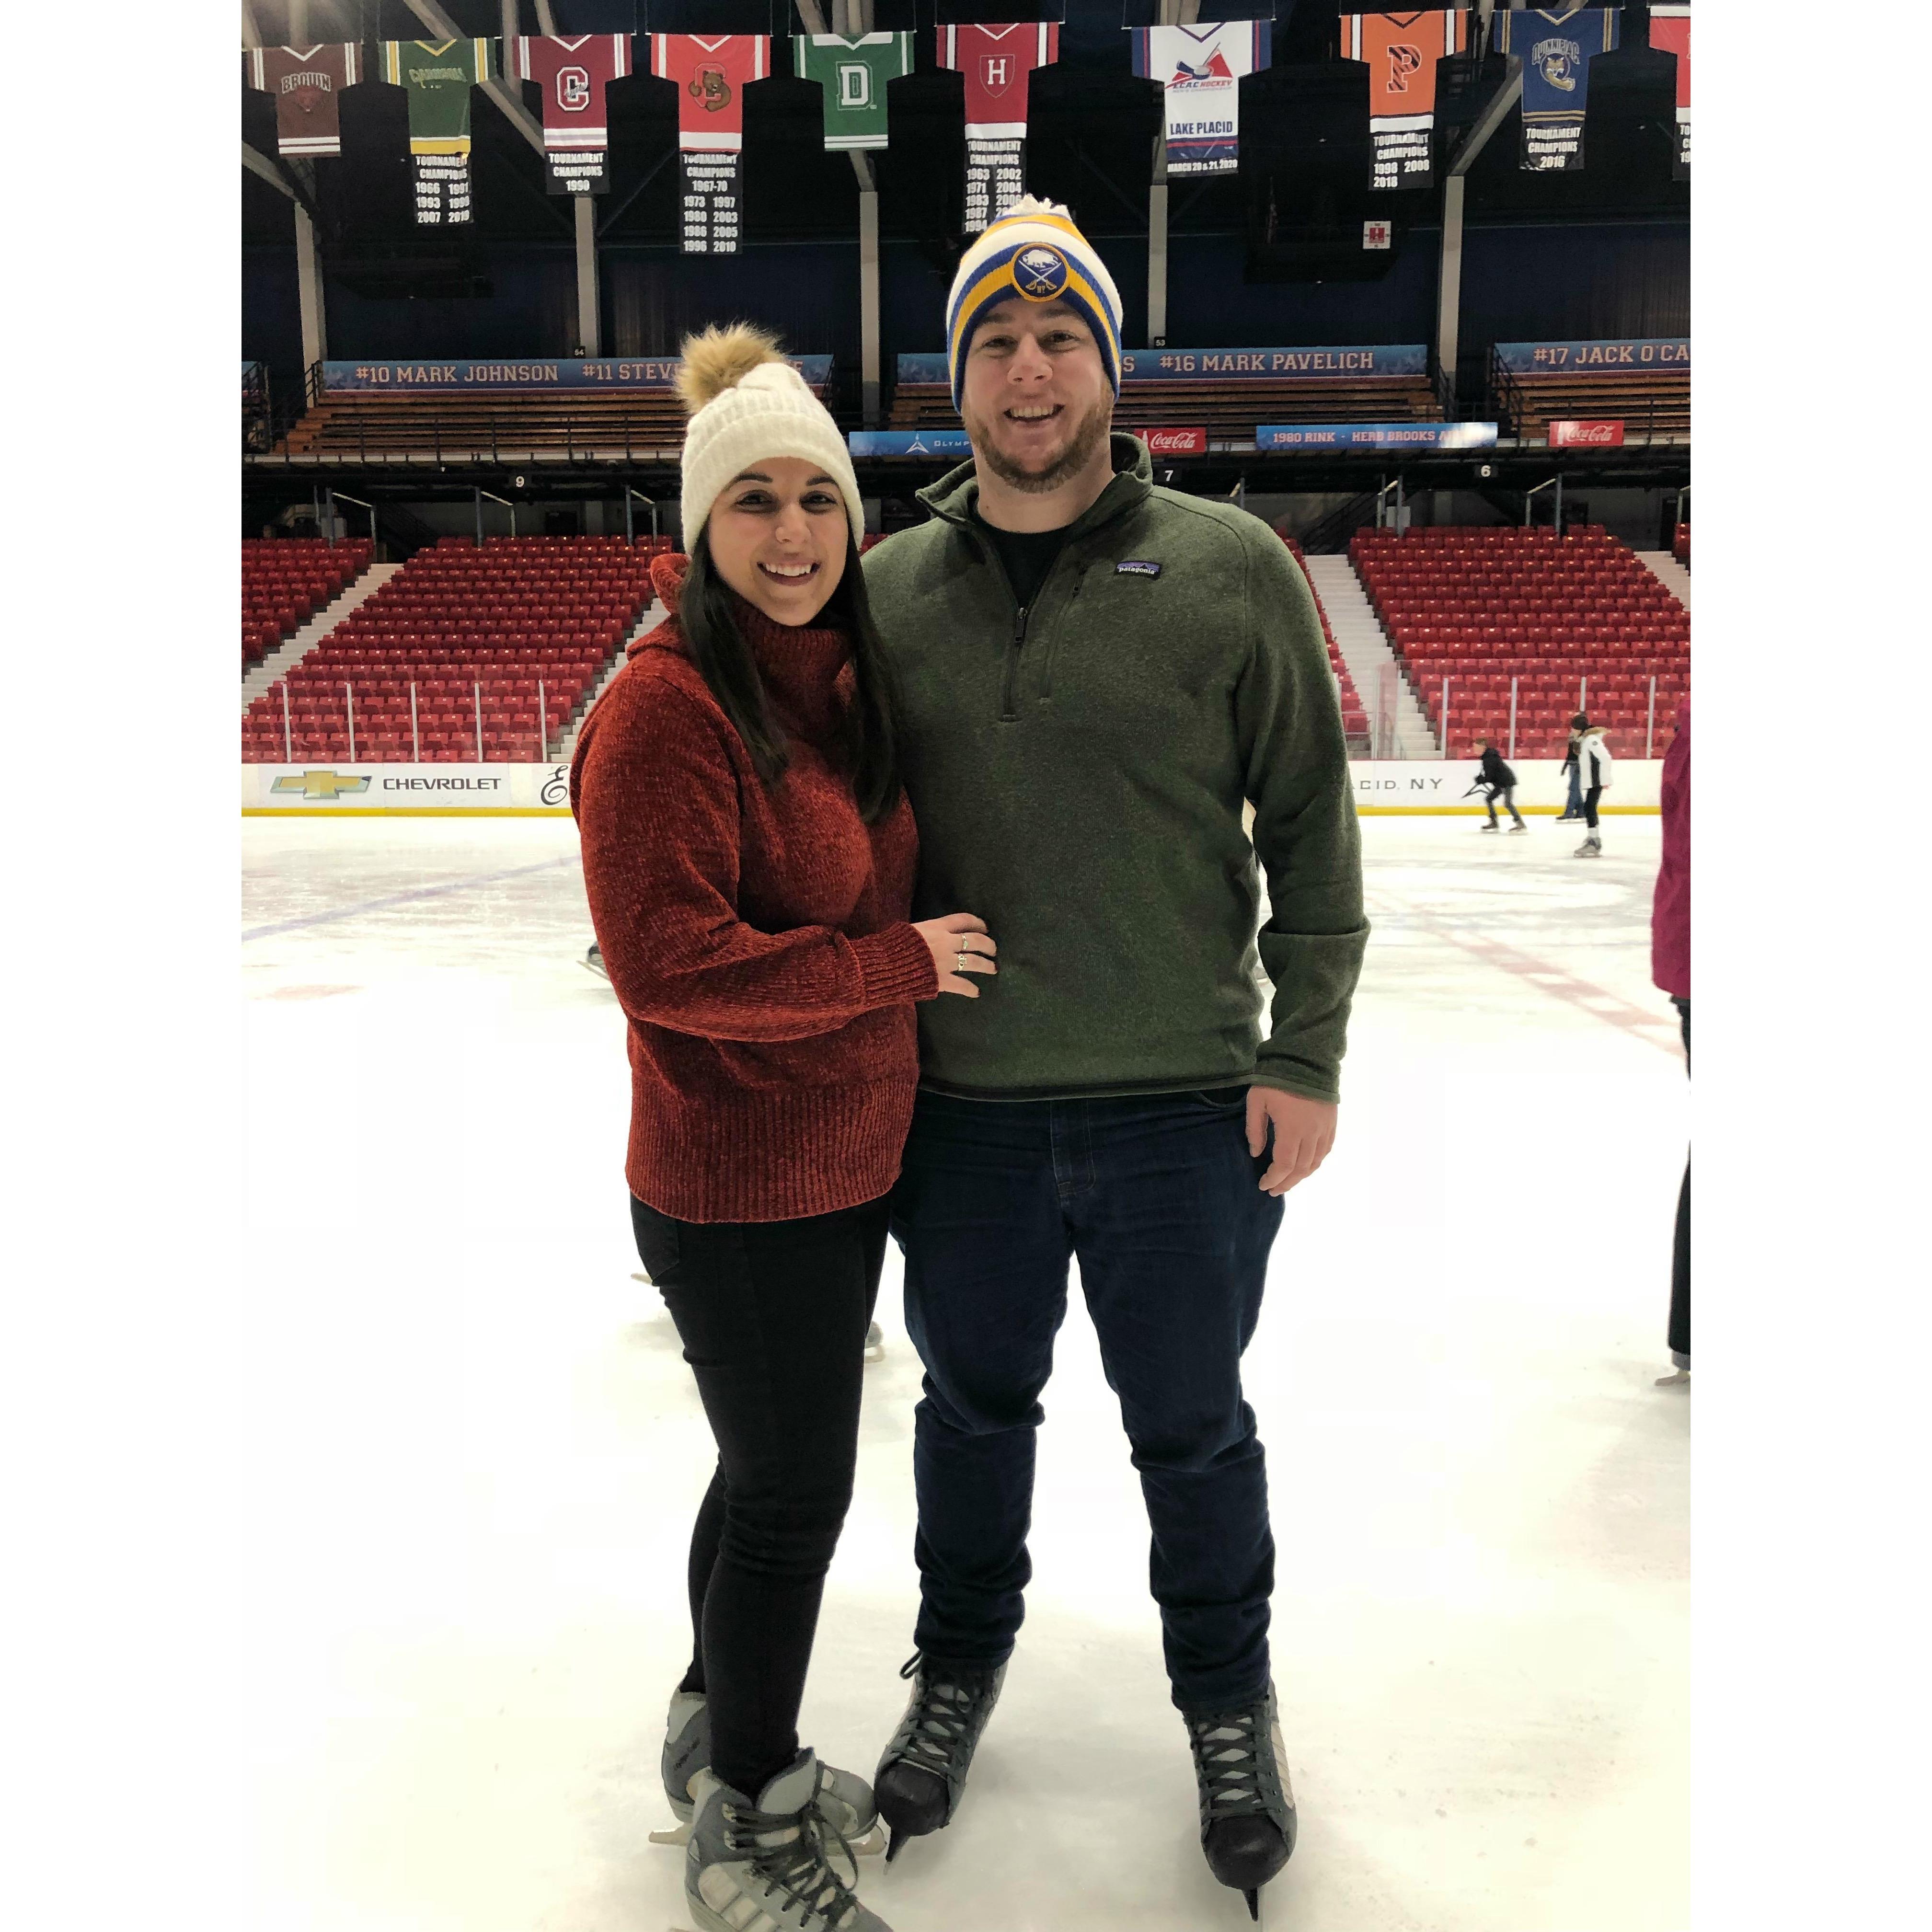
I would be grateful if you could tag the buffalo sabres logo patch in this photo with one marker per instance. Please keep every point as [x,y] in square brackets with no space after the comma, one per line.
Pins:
[1039,273]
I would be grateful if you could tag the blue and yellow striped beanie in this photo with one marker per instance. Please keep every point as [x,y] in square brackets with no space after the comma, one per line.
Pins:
[1035,252]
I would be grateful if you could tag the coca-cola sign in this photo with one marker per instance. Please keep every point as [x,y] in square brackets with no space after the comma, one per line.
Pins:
[1175,441]
[1603,434]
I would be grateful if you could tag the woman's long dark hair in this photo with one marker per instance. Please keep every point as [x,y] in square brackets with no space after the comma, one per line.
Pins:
[710,623]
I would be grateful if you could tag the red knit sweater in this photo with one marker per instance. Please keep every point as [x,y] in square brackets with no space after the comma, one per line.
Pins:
[756,937]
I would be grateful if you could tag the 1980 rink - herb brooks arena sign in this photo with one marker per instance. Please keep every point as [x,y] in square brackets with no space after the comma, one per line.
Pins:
[1422,785]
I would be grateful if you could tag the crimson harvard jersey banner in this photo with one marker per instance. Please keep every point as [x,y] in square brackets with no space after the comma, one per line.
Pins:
[1401,50]
[996,61]
[1670,32]
[573,74]
[307,84]
[711,73]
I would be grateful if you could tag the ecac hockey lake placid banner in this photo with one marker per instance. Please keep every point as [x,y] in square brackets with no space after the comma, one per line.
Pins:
[658,372]
[1608,354]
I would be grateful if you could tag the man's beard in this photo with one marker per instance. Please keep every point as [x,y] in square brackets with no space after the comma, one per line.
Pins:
[1088,435]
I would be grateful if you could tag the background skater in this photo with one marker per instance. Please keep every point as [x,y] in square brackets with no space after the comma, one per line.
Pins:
[1500,780]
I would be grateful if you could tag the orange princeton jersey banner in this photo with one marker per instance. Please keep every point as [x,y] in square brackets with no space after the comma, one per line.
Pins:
[1401,51]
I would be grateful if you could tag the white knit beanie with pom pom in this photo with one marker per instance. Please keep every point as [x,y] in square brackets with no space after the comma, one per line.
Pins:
[748,404]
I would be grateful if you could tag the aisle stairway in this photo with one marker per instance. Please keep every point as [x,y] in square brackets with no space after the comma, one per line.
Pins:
[259,677]
[1669,572]
[654,616]
[1365,650]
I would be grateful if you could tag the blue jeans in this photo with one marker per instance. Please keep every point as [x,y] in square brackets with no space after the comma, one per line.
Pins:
[1159,1198]
[1575,807]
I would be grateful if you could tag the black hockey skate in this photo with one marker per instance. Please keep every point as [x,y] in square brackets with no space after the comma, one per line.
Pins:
[1247,1807]
[920,1777]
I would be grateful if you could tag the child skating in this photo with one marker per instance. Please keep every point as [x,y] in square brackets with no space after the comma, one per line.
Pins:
[1499,782]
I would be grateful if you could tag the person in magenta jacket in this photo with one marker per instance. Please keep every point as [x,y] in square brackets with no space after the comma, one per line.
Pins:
[1670,968]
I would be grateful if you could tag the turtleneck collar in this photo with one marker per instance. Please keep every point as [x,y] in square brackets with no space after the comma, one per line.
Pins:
[800,663]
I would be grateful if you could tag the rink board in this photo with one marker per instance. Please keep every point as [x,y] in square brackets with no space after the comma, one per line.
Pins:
[1385,788]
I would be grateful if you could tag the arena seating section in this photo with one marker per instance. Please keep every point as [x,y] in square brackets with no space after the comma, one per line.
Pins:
[1229,409]
[1577,614]
[499,424]
[517,611]
[1355,719]
[285,581]
[1653,403]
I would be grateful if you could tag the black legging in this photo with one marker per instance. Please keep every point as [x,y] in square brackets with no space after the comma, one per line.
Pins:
[1590,799]
[772,1314]
[1680,1251]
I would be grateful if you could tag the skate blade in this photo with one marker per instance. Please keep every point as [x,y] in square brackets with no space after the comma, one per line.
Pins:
[678,1834]
[1254,1899]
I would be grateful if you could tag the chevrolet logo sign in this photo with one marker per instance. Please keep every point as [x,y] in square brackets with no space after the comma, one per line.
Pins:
[321,784]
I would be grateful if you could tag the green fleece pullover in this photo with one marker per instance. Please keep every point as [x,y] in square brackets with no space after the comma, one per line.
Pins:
[1078,771]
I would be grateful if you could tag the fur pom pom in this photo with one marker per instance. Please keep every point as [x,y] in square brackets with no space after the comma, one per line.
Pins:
[717,359]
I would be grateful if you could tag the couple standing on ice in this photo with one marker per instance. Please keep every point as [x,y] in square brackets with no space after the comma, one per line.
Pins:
[925,890]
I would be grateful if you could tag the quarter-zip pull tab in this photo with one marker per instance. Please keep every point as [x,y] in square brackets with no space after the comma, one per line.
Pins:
[1010,685]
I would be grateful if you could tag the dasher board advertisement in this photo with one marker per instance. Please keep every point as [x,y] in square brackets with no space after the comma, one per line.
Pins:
[361,789]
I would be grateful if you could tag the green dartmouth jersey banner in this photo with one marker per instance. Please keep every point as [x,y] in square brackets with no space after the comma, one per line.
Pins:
[438,76]
[853,74]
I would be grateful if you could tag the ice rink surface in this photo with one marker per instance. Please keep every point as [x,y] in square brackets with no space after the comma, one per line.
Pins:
[490,1450]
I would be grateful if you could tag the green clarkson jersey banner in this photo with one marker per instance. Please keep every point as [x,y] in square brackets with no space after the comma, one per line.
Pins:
[438,76]
[853,74]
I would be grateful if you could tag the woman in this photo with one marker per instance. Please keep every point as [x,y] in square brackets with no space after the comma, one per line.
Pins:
[1593,775]
[1573,809]
[749,856]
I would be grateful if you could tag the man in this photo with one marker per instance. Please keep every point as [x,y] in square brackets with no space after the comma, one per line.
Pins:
[1097,673]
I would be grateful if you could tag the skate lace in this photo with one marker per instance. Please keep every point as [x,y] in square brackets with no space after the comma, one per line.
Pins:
[1228,1763]
[799,1867]
[938,1720]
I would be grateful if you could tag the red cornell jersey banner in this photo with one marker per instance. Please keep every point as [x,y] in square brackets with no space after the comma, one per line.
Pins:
[307,84]
[712,74]
[573,74]
[996,61]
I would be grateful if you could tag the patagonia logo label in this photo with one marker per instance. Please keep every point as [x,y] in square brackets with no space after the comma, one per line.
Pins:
[1137,566]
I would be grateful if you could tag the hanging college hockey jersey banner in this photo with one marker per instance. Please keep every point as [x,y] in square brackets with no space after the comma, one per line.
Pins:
[996,61]
[573,75]
[1402,50]
[438,77]
[1556,45]
[1201,68]
[1670,32]
[712,75]
[307,84]
[853,74]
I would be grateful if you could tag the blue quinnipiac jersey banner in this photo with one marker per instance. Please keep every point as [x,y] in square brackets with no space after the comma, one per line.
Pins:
[1217,365]
[1375,436]
[1609,353]
[1556,46]
[644,372]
